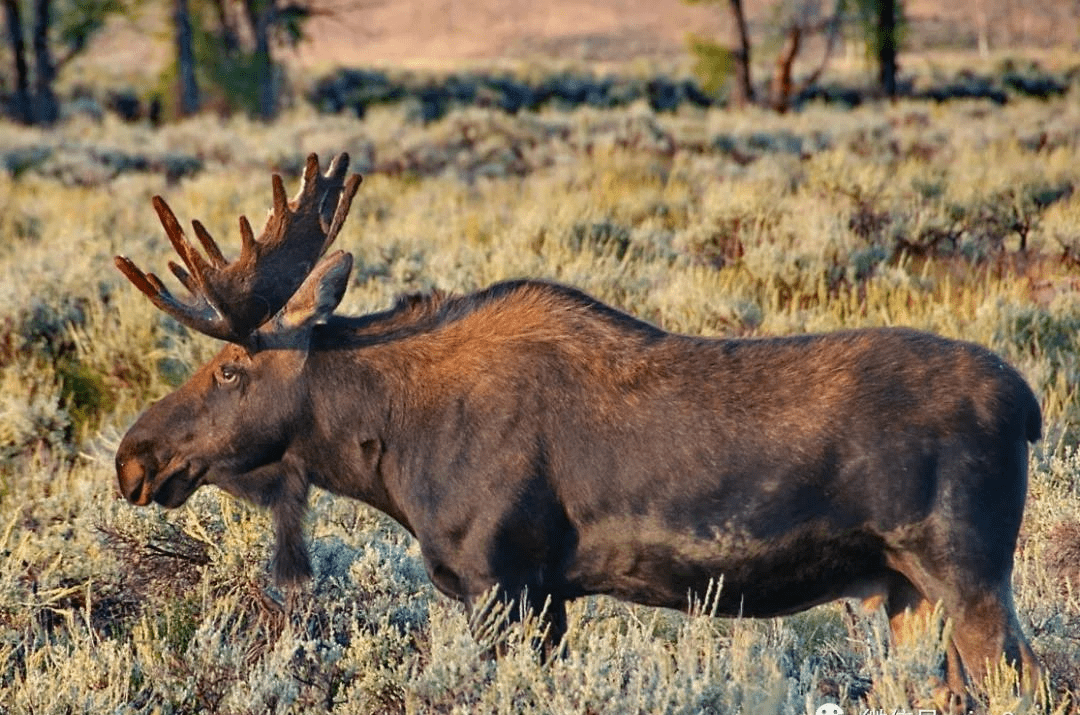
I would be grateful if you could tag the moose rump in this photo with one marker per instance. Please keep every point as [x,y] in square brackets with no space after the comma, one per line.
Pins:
[538,441]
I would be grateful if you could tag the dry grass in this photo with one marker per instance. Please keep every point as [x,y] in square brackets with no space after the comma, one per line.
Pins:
[710,223]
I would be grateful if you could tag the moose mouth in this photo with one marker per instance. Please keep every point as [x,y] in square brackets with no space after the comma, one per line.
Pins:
[177,484]
[169,487]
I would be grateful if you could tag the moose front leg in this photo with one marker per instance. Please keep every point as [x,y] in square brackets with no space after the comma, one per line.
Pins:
[492,612]
[283,488]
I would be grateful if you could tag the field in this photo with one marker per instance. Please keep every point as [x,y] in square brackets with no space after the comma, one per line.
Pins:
[960,218]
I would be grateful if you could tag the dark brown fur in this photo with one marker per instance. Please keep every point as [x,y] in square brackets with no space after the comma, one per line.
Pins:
[534,439]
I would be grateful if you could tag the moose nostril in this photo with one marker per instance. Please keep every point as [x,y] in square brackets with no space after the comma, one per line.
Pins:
[132,475]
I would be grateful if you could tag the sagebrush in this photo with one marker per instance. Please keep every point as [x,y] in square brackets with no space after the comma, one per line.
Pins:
[954,218]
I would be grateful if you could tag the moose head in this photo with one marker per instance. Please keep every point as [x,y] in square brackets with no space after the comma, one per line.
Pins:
[231,424]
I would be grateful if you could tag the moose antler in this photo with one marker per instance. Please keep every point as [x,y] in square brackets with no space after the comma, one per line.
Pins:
[230,300]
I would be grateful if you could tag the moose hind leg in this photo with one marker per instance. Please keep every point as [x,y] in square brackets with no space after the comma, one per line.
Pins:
[985,625]
[911,615]
[962,556]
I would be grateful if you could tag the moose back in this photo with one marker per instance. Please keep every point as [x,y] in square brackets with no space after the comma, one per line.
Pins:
[536,440]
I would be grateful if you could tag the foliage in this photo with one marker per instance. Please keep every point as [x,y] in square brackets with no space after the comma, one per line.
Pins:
[233,53]
[713,63]
[229,75]
[702,221]
[77,21]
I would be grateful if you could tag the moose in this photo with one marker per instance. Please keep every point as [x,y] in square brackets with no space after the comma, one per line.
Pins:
[540,443]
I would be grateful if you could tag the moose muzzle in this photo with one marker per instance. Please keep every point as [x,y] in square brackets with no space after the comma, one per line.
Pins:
[133,475]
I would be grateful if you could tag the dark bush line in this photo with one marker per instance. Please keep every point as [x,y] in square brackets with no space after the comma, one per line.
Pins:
[90,166]
[356,90]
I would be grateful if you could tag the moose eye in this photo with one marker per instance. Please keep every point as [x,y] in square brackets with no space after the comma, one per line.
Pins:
[228,375]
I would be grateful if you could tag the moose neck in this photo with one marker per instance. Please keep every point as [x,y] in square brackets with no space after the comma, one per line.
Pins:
[350,407]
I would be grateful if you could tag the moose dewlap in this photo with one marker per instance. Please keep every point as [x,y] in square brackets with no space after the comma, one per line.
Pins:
[536,440]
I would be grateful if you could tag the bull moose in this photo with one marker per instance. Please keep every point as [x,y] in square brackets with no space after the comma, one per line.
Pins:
[539,442]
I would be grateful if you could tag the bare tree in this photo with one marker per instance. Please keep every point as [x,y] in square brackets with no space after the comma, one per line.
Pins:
[881,20]
[20,108]
[798,21]
[262,17]
[185,59]
[803,20]
[743,92]
[46,107]
[782,83]
[982,26]
[886,46]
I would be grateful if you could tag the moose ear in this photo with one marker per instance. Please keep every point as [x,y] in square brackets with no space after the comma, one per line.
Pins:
[318,295]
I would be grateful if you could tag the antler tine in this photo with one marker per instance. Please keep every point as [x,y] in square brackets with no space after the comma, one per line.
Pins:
[199,315]
[184,277]
[194,261]
[247,238]
[321,190]
[311,175]
[136,276]
[339,167]
[281,202]
[343,206]
[209,245]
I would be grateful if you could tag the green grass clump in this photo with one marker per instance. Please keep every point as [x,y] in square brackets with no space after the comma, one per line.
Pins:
[954,218]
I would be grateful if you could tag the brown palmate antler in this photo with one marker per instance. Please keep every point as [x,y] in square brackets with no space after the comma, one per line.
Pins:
[230,300]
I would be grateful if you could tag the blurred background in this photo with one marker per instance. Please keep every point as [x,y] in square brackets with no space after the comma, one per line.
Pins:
[168,58]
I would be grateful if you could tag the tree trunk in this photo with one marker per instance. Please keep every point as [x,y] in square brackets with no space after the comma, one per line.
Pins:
[743,92]
[46,108]
[261,16]
[887,46]
[782,84]
[185,59]
[20,101]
